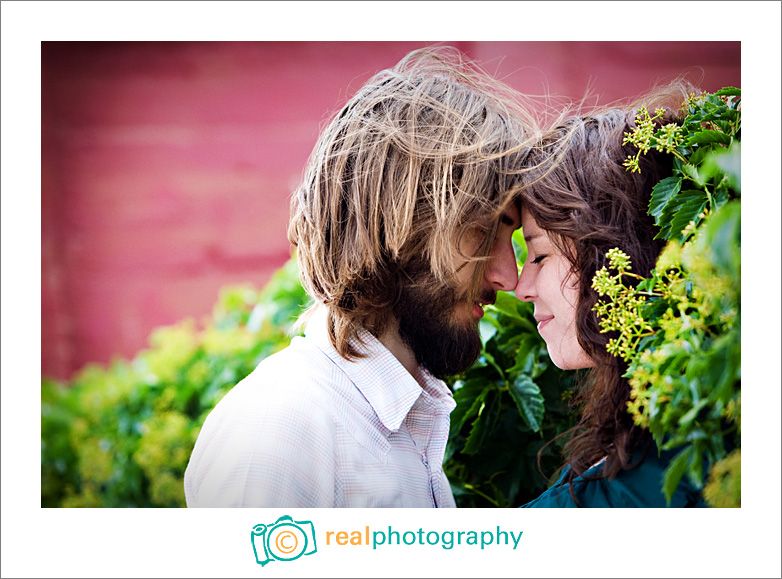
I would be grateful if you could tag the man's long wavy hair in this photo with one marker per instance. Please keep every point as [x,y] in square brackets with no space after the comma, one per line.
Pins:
[417,159]
[581,194]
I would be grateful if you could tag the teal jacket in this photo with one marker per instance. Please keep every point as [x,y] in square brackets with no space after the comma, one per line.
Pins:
[636,487]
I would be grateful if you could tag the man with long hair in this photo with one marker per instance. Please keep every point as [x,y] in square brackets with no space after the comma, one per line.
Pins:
[403,227]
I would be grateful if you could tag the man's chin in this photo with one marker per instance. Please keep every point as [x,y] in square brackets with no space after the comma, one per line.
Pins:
[441,331]
[447,355]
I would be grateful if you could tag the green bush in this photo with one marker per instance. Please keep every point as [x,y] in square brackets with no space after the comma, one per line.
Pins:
[680,329]
[121,435]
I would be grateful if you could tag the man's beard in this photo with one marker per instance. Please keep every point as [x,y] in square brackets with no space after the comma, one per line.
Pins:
[441,345]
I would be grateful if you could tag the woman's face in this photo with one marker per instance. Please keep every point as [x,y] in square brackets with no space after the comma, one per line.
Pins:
[545,282]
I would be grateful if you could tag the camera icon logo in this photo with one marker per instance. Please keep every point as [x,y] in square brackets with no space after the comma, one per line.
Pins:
[284,540]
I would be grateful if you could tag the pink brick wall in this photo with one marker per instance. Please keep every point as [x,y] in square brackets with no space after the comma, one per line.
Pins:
[167,167]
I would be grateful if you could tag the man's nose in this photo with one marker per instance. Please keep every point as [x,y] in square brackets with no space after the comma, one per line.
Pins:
[502,271]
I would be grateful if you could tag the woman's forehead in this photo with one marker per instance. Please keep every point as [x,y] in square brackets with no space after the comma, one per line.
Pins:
[530,227]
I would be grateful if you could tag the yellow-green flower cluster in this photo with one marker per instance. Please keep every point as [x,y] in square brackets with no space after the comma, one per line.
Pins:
[622,311]
[643,133]
[667,139]
[724,487]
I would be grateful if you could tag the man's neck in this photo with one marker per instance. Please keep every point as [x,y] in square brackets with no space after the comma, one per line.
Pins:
[401,351]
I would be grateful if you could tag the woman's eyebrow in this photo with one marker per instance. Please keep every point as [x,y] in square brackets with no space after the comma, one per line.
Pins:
[532,236]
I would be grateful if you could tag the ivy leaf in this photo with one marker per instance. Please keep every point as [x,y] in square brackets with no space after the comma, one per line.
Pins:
[687,211]
[529,401]
[671,209]
[662,194]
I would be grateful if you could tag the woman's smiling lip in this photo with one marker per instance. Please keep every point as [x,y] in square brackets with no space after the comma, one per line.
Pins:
[543,320]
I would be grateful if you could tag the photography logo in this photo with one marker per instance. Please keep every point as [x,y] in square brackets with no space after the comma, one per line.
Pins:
[285,540]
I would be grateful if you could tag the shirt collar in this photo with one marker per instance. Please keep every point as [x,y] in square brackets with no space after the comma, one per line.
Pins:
[388,387]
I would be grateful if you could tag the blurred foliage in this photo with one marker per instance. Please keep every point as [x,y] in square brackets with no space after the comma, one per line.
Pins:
[680,329]
[121,435]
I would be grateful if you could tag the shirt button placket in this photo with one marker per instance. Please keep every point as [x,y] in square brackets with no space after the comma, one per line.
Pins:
[432,492]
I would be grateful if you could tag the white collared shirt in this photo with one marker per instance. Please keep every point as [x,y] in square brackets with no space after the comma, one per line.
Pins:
[308,428]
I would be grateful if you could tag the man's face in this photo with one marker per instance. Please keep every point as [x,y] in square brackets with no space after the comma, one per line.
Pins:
[439,323]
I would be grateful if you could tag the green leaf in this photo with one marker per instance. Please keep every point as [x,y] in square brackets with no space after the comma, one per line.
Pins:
[483,424]
[529,401]
[673,473]
[672,208]
[525,355]
[705,137]
[506,304]
[692,172]
[662,194]
[728,91]
[695,472]
[720,239]
[469,399]
[492,362]
[688,211]
[488,327]
[701,152]
[726,162]
[687,420]
[519,246]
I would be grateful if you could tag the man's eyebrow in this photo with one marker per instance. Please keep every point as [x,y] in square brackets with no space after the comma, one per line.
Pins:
[506,219]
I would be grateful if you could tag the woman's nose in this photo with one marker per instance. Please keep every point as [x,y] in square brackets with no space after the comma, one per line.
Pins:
[525,288]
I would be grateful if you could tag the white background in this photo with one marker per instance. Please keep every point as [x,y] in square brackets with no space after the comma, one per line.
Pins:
[556,543]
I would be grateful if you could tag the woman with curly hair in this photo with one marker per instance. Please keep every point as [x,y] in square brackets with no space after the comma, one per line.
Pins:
[579,202]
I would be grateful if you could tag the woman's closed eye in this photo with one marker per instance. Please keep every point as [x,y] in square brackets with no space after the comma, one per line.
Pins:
[539,259]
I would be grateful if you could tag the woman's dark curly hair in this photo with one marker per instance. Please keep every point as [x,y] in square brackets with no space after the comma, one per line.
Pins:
[582,195]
